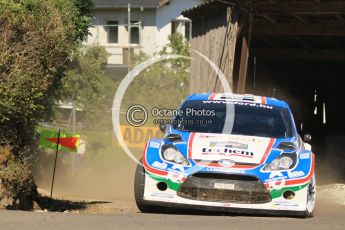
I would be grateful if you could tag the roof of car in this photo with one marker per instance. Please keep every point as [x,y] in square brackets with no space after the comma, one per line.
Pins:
[239,97]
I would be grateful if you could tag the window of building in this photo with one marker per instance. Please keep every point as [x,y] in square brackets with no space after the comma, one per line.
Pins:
[183,27]
[113,31]
[135,32]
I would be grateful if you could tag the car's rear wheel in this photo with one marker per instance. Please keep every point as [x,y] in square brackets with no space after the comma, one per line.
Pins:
[139,188]
[311,198]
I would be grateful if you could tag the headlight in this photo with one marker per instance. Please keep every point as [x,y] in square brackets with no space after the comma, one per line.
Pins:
[283,162]
[171,153]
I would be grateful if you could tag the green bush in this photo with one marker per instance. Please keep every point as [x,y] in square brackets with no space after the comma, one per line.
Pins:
[17,187]
[87,84]
[165,84]
[37,41]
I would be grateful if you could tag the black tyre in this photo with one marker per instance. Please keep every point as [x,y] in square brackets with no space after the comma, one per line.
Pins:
[139,187]
[311,198]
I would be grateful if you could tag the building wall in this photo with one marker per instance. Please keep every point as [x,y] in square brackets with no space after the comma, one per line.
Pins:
[99,34]
[166,14]
[214,36]
[155,30]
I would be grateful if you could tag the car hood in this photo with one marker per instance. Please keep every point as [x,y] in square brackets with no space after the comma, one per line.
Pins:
[238,148]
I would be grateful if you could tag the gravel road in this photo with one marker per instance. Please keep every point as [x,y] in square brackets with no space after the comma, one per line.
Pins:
[328,216]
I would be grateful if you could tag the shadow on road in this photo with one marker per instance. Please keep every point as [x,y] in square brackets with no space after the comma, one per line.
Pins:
[57,205]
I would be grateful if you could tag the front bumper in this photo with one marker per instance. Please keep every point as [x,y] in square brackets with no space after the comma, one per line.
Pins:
[245,196]
[224,188]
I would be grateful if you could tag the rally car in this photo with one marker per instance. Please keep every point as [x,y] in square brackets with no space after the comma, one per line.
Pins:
[260,166]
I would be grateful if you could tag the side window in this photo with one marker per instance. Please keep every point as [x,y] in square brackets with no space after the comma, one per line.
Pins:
[182,27]
[135,32]
[113,31]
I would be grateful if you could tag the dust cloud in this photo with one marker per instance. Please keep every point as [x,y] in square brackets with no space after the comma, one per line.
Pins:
[103,173]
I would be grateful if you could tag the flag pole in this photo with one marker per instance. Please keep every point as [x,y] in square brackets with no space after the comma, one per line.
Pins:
[56,154]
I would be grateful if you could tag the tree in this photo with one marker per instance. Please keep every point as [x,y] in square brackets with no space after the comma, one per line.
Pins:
[37,39]
[168,79]
[87,85]
[82,17]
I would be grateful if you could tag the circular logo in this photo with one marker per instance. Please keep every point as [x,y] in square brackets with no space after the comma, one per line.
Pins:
[136,115]
[226,163]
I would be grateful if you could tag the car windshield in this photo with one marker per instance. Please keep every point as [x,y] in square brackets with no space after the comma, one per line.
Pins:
[250,119]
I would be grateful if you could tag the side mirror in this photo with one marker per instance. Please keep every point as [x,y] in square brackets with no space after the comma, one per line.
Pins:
[307,138]
[162,127]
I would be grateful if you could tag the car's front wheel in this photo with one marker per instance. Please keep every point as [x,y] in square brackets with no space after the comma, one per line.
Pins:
[311,197]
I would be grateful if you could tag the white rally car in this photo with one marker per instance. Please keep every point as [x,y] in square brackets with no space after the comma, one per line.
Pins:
[260,166]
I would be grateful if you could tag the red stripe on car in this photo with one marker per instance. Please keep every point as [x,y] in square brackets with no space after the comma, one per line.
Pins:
[268,149]
[190,145]
[212,96]
[305,179]
[263,100]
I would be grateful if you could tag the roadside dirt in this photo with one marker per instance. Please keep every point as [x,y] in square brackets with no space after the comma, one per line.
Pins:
[81,205]
[332,193]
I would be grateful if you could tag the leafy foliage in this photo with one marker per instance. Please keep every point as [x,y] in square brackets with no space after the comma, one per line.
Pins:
[82,18]
[87,84]
[17,187]
[37,39]
[164,84]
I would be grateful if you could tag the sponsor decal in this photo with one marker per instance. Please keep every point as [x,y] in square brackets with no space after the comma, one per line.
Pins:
[227,152]
[303,156]
[237,97]
[286,203]
[163,195]
[245,139]
[159,165]
[183,173]
[221,169]
[227,144]
[276,180]
[295,174]
[179,167]
[226,163]
[154,144]
[175,177]
[205,136]
[257,105]
[275,176]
